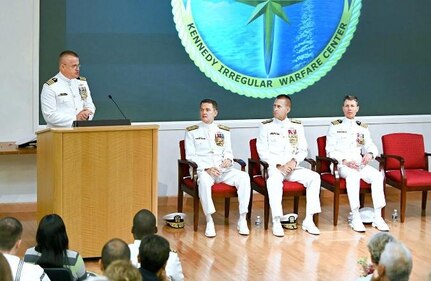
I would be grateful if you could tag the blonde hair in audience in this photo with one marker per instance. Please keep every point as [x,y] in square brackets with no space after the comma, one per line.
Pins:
[121,270]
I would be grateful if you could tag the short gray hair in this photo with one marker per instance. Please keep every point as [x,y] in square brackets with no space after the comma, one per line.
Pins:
[397,261]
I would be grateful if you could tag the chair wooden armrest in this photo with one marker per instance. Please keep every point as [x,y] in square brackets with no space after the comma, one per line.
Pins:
[396,157]
[333,161]
[400,159]
[192,165]
[311,162]
[241,163]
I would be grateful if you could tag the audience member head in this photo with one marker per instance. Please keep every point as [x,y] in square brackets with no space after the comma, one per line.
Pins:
[395,262]
[52,241]
[153,253]
[377,244]
[5,271]
[121,270]
[115,249]
[10,235]
[144,223]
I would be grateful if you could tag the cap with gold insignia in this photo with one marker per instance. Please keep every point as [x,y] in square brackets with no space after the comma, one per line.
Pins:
[289,221]
[175,220]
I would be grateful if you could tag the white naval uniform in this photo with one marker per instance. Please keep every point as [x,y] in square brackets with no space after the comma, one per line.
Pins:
[346,140]
[278,143]
[29,272]
[173,268]
[62,99]
[207,146]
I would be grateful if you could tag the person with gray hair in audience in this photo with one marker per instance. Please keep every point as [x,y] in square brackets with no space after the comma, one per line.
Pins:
[395,263]
[376,246]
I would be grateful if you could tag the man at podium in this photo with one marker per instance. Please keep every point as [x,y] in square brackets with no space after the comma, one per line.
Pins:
[66,96]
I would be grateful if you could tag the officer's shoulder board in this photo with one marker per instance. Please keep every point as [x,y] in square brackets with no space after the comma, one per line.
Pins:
[267,121]
[51,81]
[192,128]
[223,127]
[362,124]
[337,122]
[295,121]
[82,78]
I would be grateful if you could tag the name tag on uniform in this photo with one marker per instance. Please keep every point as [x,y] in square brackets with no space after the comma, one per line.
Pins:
[274,133]
[62,94]
[200,138]
[343,132]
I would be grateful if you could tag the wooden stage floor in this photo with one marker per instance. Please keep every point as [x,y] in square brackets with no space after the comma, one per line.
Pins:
[297,256]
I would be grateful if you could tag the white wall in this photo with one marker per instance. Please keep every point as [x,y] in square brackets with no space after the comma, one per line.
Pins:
[19,49]
[19,63]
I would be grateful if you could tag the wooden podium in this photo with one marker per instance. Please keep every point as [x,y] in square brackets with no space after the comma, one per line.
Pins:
[96,179]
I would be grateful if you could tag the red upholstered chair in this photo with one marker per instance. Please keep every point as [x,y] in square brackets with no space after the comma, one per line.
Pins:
[332,181]
[258,183]
[406,166]
[188,183]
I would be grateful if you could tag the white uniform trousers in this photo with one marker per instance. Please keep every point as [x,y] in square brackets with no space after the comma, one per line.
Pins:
[233,177]
[311,181]
[369,175]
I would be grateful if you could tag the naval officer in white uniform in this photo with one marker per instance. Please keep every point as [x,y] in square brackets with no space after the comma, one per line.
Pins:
[208,144]
[349,142]
[66,97]
[282,144]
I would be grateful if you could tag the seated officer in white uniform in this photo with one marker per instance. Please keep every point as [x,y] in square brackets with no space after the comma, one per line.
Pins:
[10,241]
[209,146]
[282,144]
[66,96]
[349,142]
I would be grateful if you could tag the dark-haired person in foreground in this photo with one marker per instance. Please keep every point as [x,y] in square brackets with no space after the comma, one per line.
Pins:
[52,248]
[153,255]
[10,241]
[66,97]
[144,223]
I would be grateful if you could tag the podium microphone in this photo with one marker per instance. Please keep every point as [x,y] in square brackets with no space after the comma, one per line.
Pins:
[109,96]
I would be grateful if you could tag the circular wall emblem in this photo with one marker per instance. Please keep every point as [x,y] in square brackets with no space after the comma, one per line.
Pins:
[262,48]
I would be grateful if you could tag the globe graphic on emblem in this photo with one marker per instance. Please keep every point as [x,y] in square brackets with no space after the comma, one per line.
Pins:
[224,27]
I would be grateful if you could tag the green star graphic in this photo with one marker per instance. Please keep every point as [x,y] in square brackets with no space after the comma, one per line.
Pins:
[269,9]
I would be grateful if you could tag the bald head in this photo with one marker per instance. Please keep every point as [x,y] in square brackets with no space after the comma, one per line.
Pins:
[114,249]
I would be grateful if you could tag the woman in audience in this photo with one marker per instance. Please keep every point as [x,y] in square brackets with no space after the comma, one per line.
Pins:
[5,272]
[52,248]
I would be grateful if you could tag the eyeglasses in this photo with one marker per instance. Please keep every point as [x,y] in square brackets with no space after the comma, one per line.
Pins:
[75,66]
